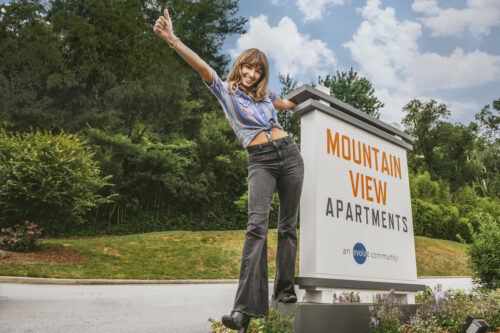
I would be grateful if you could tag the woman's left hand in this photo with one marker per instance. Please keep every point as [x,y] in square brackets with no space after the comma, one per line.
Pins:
[283,104]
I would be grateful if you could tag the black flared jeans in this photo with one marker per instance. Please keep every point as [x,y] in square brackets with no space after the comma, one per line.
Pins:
[272,165]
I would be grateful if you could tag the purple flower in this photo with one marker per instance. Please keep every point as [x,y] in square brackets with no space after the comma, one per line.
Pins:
[3,229]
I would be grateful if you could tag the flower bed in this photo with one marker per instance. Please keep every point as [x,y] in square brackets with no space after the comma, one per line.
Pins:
[437,313]
[23,237]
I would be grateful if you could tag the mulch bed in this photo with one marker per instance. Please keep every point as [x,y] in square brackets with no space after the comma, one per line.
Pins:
[47,254]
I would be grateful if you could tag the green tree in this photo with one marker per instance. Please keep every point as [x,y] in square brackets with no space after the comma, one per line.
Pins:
[487,150]
[290,123]
[420,119]
[96,68]
[484,253]
[355,90]
[489,121]
[29,55]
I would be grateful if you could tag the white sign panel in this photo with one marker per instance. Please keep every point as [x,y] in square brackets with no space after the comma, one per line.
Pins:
[356,220]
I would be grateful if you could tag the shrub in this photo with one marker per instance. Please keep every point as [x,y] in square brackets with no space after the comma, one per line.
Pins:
[48,178]
[386,315]
[484,254]
[22,237]
[448,313]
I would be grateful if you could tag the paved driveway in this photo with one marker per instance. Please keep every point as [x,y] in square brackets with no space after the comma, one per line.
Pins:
[112,308]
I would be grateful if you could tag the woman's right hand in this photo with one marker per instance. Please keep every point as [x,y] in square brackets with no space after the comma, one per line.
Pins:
[163,28]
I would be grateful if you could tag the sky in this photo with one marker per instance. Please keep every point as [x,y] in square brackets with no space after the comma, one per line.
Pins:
[447,50]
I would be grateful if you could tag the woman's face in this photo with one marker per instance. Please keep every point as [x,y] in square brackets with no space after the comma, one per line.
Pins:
[250,75]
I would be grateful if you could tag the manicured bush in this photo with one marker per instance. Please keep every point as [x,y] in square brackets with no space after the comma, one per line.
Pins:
[484,253]
[439,221]
[48,178]
[23,237]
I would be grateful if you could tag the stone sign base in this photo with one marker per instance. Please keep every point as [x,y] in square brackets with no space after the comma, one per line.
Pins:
[338,317]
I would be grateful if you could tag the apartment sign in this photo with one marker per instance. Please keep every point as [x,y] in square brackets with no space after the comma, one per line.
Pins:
[356,220]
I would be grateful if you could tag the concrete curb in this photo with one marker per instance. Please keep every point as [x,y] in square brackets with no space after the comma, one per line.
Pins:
[34,280]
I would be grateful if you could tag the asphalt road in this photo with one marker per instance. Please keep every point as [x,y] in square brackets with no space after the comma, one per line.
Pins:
[112,308]
[143,308]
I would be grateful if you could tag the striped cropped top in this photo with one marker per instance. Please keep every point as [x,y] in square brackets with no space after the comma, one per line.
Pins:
[246,116]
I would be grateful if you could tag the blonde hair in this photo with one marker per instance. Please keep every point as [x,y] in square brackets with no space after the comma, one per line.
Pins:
[252,57]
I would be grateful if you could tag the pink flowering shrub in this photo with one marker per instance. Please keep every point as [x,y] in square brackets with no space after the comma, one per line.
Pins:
[23,237]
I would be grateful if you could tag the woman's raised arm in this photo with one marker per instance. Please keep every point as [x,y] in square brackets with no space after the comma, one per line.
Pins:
[163,28]
[281,104]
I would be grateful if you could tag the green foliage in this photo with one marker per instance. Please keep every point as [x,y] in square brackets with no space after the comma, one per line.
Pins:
[385,314]
[439,221]
[290,123]
[275,322]
[436,213]
[96,68]
[47,178]
[489,121]
[354,90]
[23,237]
[484,253]
[242,204]
[155,182]
[420,119]
[448,312]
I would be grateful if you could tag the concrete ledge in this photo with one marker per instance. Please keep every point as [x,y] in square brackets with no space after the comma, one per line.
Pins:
[311,282]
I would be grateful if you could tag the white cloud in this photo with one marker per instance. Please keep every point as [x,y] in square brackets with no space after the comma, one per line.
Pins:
[314,9]
[389,56]
[458,70]
[477,18]
[382,45]
[388,53]
[394,102]
[290,51]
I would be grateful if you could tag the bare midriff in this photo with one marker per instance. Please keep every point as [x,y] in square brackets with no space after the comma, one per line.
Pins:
[276,133]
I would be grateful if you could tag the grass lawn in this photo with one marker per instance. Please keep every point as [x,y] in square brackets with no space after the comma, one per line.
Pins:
[196,255]
[436,257]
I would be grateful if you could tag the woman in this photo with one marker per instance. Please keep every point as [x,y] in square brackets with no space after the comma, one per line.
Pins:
[274,162]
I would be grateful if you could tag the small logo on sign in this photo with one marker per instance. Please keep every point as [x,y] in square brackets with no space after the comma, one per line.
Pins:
[359,253]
